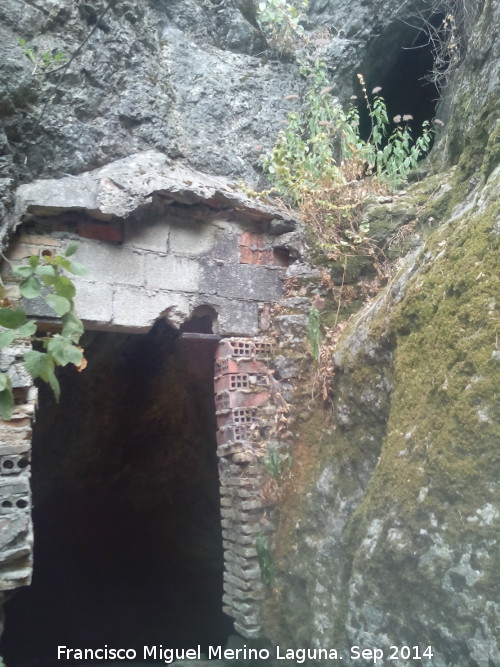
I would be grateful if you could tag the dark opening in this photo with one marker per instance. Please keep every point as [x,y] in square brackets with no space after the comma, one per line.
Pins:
[401,61]
[128,546]
[203,320]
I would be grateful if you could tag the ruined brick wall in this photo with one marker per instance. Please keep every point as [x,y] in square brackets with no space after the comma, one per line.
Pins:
[247,404]
[16,534]
[168,265]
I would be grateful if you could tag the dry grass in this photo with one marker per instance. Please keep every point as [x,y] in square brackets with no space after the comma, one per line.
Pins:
[335,213]
[450,38]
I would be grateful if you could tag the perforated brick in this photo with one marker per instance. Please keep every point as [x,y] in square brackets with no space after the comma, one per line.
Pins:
[227,365]
[222,401]
[232,381]
[242,348]
[234,434]
[240,399]
[235,347]
[15,502]
[263,348]
[236,416]
[244,415]
[13,464]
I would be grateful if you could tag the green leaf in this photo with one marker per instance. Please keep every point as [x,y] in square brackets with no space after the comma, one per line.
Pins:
[72,327]
[12,319]
[59,304]
[42,365]
[6,337]
[71,249]
[28,329]
[30,288]
[78,269]
[64,287]
[33,260]
[54,385]
[63,351]
[39,364]
[45,270]
[22,271]
[6,401]
[4,381]
[61,261]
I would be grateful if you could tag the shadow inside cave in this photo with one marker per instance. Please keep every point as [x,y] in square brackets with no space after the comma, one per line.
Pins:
[128,544]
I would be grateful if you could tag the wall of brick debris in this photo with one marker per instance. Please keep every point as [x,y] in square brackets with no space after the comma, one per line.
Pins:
[168,267]
[16,532]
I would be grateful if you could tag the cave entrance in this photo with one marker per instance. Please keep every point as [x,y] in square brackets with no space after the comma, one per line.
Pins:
[402,61]
[128,544]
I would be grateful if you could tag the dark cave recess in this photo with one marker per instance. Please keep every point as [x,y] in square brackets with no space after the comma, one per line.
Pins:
[128,545]
[401,62]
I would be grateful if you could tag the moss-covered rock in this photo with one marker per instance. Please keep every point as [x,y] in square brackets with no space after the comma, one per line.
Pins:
[390,526]
[391,539]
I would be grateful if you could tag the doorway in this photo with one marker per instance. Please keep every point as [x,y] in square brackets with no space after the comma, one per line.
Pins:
[128,544]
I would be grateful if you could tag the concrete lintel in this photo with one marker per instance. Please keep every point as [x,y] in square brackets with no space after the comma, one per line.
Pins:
[136,310]
[123,186]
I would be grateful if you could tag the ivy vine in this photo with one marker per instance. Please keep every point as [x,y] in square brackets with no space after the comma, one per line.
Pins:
[45,277]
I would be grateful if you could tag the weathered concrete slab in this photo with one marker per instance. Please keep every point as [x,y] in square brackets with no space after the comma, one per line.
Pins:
[94,301]
[253,282]
[137,310]
[121,187]
[172,272]
[113,264]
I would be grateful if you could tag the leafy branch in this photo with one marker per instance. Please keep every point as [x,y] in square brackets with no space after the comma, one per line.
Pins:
[43,61]
[43,277]
[322,144]
[280,22]
[264,558]
[276,461]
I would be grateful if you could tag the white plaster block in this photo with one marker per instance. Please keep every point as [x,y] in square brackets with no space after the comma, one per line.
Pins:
[94,301]
[138,309]
[191,238]
[110,263]
[148,235]
[172,273]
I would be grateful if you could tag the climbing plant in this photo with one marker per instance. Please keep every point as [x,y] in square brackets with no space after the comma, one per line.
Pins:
[321,163]
[43,61]
[264,558]
[43,277]
[322,143]
[280,22]
[276,461]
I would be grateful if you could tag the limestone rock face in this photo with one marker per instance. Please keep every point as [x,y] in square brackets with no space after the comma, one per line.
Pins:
[391,535]
[193,79]
[153,75]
